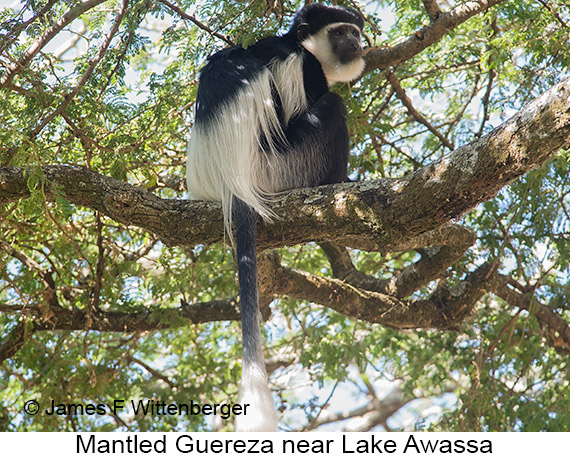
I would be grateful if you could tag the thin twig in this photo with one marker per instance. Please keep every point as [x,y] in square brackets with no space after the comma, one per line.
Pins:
[71,95]
[401,94]
[36,47]
[196,22]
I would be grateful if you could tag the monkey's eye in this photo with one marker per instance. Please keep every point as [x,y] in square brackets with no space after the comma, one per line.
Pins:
[356,34]
[337,32]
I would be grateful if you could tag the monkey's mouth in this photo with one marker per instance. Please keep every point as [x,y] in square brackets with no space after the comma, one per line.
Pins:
[350,56]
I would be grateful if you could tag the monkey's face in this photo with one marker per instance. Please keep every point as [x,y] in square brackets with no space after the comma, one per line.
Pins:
[337,48]
[344,41]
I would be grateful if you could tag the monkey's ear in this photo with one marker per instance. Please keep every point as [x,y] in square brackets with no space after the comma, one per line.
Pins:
[303,31]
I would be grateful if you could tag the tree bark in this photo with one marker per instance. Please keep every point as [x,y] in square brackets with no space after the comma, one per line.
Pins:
[383,215]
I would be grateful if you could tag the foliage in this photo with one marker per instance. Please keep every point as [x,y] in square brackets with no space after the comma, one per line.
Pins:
[130,120]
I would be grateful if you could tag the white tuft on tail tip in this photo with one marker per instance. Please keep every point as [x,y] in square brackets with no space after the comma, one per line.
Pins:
[259,409]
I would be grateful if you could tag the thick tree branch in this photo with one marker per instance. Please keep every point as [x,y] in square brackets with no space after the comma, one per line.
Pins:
[446,309]
[454,241]
[141,320]
[440,25]
[381,215]
[432,8]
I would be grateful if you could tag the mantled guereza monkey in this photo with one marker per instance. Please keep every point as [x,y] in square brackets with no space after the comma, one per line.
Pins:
[266,122]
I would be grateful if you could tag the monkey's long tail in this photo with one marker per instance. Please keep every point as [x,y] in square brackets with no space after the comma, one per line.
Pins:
[260,414]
